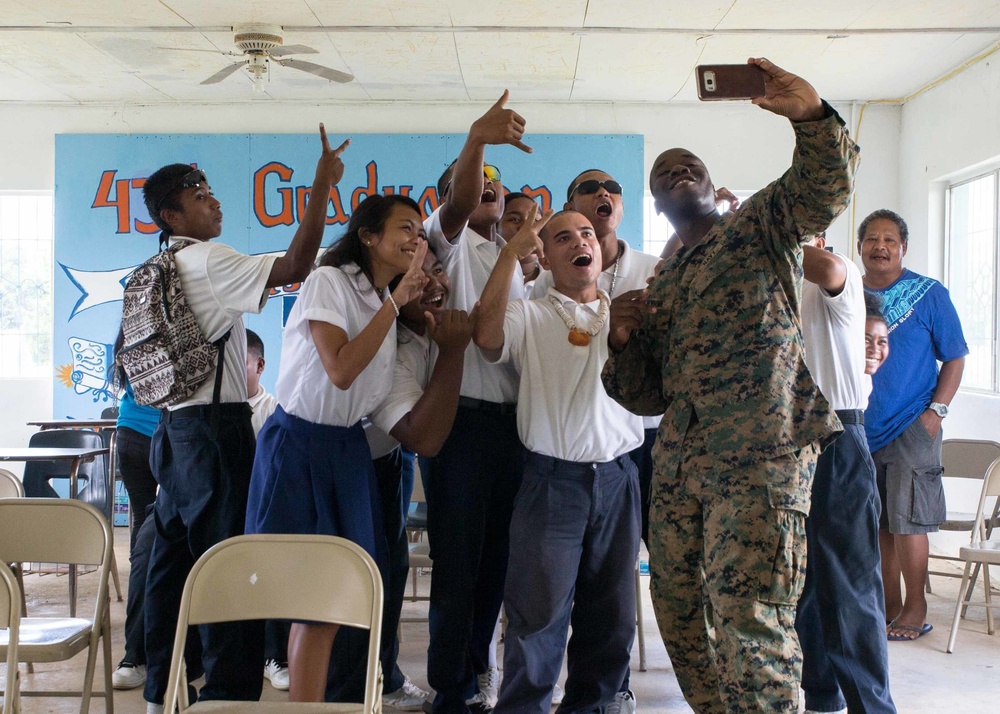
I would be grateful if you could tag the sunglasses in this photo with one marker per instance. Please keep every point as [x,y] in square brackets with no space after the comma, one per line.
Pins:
[492,173]
[192,179]
[591,186]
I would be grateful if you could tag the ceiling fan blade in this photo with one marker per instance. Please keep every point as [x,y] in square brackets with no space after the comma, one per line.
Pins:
[191,49]
[293,50]
[223,73]
[319,70]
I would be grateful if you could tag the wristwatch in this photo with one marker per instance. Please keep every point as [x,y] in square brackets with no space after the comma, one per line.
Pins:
[938,408]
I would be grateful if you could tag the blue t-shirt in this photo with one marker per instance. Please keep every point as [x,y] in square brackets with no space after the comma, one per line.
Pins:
[923,330]
[135,417]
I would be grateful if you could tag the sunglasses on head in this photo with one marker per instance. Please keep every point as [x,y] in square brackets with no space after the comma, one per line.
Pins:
[591,186]
[192,179]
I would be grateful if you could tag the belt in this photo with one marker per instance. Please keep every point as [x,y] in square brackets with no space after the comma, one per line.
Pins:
[482,405]
[205,410]
[851,416]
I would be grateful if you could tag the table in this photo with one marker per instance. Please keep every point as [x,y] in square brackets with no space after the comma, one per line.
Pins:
[75,457]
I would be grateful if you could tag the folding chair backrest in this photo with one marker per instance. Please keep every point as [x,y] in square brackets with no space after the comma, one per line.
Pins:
[968,458]
[10,485]
[53,530]
[301,577]
[92,475]
[991,490]
[320,578]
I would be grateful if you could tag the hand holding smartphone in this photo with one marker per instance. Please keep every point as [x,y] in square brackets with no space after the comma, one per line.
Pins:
[729,82]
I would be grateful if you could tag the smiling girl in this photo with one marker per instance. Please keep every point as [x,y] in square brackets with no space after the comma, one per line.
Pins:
[313,470]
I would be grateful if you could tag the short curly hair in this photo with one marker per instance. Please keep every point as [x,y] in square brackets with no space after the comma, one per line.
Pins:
[885,214]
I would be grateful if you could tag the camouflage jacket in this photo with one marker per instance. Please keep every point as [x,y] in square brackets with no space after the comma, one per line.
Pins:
[725,346]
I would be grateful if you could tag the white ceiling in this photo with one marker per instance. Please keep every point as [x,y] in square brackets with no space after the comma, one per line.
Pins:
[106,51]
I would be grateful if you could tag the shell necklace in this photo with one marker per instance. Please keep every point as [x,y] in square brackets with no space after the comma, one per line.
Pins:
[577,336]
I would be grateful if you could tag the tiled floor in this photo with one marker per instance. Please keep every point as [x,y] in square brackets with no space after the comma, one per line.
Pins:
[924,678]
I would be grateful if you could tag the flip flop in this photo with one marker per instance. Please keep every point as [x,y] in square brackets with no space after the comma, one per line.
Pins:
[919,631]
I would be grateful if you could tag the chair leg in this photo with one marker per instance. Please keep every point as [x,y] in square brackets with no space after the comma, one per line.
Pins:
[109,700]
[114,575]
[18,569]
[640,633]
[927,584]
[958,608]
[990,625]
[968,595]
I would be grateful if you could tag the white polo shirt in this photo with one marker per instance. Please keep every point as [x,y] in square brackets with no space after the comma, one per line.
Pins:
[634,268]
[563,409]
[263,404]
[343,297]
[221,284]
[469,260]
[833,331]
[415,358]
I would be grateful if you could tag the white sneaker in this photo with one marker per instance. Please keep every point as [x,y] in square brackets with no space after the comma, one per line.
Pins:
[154,708]
[623,703]
[277,673]
[557,695]
[489,686]
[128,676]
[408,698]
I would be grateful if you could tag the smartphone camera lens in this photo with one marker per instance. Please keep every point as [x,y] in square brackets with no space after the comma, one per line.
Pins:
[710,81]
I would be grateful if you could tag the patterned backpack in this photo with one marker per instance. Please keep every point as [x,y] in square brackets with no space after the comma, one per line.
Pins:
[165,355]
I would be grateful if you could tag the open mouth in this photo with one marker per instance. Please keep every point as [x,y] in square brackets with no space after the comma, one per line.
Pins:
[604,210]
[582,260]
[435,301]
[489,196]
[686,178]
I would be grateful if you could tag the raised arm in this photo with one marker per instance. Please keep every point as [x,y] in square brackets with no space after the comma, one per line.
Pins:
[632,375]
[343,358]
[817,187]
[295,264]
[823,268]
[488,333]
[425,427]
[497,126]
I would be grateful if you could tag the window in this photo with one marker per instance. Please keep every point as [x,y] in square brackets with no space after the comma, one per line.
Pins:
[25,285]
[972,274]
[656,229]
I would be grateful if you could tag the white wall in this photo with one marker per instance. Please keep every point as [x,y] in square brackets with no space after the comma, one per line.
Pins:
[743,146]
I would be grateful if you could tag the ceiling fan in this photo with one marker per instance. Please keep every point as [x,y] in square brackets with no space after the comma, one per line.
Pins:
[260,45]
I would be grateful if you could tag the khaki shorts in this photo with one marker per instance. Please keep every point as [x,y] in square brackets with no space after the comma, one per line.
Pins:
[908,472]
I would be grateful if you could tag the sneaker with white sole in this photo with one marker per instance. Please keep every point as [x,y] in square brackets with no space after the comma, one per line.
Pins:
[128,675]
[489,687]
[623,703]
[277,673]
[408,698]
[557,695]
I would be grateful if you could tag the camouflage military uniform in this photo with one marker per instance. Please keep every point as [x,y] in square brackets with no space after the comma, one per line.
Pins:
[737,446]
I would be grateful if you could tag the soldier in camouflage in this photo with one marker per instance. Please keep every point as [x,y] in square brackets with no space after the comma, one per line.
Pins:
[715,343]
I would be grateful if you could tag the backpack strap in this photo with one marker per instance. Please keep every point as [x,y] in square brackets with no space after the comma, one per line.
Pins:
[220,344]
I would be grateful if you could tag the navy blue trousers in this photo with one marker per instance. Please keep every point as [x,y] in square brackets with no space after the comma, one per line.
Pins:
[471,486]
[574,541]
[202,501]
[841,614]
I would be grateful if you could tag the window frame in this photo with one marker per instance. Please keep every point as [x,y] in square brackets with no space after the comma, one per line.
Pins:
[45,371]
[955,183]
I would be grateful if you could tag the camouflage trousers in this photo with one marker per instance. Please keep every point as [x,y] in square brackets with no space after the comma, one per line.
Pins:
[728,562]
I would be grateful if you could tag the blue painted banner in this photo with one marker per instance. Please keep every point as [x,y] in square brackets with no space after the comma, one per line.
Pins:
[102,229]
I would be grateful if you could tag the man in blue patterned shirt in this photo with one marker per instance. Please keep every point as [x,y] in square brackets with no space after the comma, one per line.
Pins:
[910,398]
